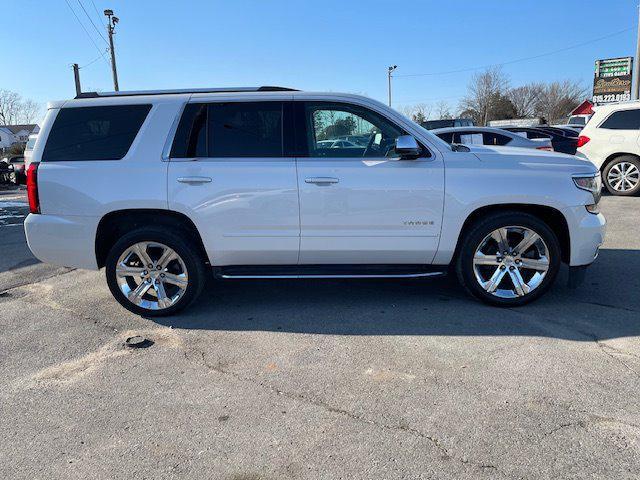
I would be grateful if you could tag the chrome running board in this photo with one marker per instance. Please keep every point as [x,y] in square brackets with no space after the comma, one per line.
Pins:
[328,271]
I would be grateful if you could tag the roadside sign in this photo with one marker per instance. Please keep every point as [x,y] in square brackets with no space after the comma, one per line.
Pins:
[612,80]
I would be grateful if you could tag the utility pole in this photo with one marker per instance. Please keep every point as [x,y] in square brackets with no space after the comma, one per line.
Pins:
[76,77]
[389,71]
[112,20]
[636,63]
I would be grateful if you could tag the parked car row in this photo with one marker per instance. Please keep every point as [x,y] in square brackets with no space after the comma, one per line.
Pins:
[610,140]
[491,136]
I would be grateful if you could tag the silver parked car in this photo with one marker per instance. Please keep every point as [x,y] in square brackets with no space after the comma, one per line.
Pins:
[490,136]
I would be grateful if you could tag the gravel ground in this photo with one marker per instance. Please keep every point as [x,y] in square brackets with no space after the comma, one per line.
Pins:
[321,379]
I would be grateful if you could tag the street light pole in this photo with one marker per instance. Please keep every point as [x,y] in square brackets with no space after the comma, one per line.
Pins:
[112,20]
[389,71]
[636,63]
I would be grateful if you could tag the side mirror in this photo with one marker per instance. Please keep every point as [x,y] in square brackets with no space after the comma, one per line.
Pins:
[407,147]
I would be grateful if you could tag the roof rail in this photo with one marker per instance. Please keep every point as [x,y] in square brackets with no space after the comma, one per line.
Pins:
[134,93]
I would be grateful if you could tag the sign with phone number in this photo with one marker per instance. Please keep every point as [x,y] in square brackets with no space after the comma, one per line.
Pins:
[612,80]
[611,98]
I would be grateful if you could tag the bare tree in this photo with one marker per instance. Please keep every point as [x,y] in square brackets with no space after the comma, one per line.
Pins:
[30,112]
[9,106]
[443,112]
[13,109]
[557,99]
[484,89]
[524,99]
[419,112]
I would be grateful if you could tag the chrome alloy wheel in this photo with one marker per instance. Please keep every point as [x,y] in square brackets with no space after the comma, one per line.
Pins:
[151,275]
[511,262]
[623,176]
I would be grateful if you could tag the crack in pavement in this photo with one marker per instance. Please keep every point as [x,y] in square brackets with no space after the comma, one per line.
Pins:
[39,280]
[437,443]
[603,347]
[562,426]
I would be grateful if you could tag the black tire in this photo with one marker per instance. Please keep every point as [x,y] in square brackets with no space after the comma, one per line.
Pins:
[617,161]
[185,247]
[479,231]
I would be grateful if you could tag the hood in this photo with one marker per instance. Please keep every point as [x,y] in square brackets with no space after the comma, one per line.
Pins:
[511,157]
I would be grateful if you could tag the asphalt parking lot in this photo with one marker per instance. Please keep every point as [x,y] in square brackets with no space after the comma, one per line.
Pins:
[321,379]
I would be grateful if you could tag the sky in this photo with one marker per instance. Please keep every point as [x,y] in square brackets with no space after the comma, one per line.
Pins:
[324,45]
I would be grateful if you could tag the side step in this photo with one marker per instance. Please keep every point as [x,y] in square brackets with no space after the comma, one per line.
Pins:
[329,271]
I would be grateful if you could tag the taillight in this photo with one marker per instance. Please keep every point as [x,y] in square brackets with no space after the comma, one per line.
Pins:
[582,141]
[32,188]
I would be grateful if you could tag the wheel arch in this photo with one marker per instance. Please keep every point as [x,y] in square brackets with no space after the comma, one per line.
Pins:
[553,217]
[613,156]
[116,223]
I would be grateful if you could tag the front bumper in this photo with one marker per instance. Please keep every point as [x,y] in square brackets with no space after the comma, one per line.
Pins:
[586,232]
[68,241]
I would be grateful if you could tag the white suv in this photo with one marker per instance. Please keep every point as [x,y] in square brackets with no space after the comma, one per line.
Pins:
[611,140]
[161,187]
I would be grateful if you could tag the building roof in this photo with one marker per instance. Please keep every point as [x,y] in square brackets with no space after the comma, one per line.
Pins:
[585,108]
[17,128]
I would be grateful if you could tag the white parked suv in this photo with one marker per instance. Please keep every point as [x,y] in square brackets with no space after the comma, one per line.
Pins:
[161,187]
[611,140]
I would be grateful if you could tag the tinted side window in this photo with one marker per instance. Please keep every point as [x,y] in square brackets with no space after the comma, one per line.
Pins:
[490,138]
[94,133]
[468,138]
[191,135]
[623,120]
[446,136]
[245,129]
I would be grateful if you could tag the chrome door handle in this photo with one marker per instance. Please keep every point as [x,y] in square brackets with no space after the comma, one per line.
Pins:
[321,180]
[194,180]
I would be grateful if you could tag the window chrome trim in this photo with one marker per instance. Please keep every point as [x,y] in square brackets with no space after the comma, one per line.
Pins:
[168,144]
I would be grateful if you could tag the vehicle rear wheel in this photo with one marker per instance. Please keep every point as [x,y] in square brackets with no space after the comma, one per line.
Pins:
[508,259]
[153,272]
[622,176]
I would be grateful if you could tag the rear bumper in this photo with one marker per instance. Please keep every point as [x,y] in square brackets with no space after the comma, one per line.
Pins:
[587,233]
[68,241]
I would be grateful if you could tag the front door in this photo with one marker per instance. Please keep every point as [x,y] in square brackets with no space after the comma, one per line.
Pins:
[359,203]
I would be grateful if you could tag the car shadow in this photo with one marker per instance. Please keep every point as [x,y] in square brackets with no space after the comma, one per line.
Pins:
[606,306]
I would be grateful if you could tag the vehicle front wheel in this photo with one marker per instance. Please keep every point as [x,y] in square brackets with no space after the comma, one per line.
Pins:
[508,259]
[622,176]
[153,272]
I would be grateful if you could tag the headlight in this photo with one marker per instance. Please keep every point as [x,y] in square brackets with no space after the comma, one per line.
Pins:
[590,183]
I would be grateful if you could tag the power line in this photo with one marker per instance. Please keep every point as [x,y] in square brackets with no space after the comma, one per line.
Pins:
[91,62]
[94,25]
[524,59]
[97,13]
[85,30]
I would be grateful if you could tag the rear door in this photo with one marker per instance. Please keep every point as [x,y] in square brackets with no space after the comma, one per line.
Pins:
[362,204]
[228,172]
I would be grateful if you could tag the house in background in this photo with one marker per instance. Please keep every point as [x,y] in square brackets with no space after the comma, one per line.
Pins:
[10,134]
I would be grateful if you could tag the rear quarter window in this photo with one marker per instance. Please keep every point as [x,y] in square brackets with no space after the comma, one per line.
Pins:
[623,120]
[94,133]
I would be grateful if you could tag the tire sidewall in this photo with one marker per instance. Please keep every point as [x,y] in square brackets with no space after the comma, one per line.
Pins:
[478,233]
[181,245]
[605,175]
